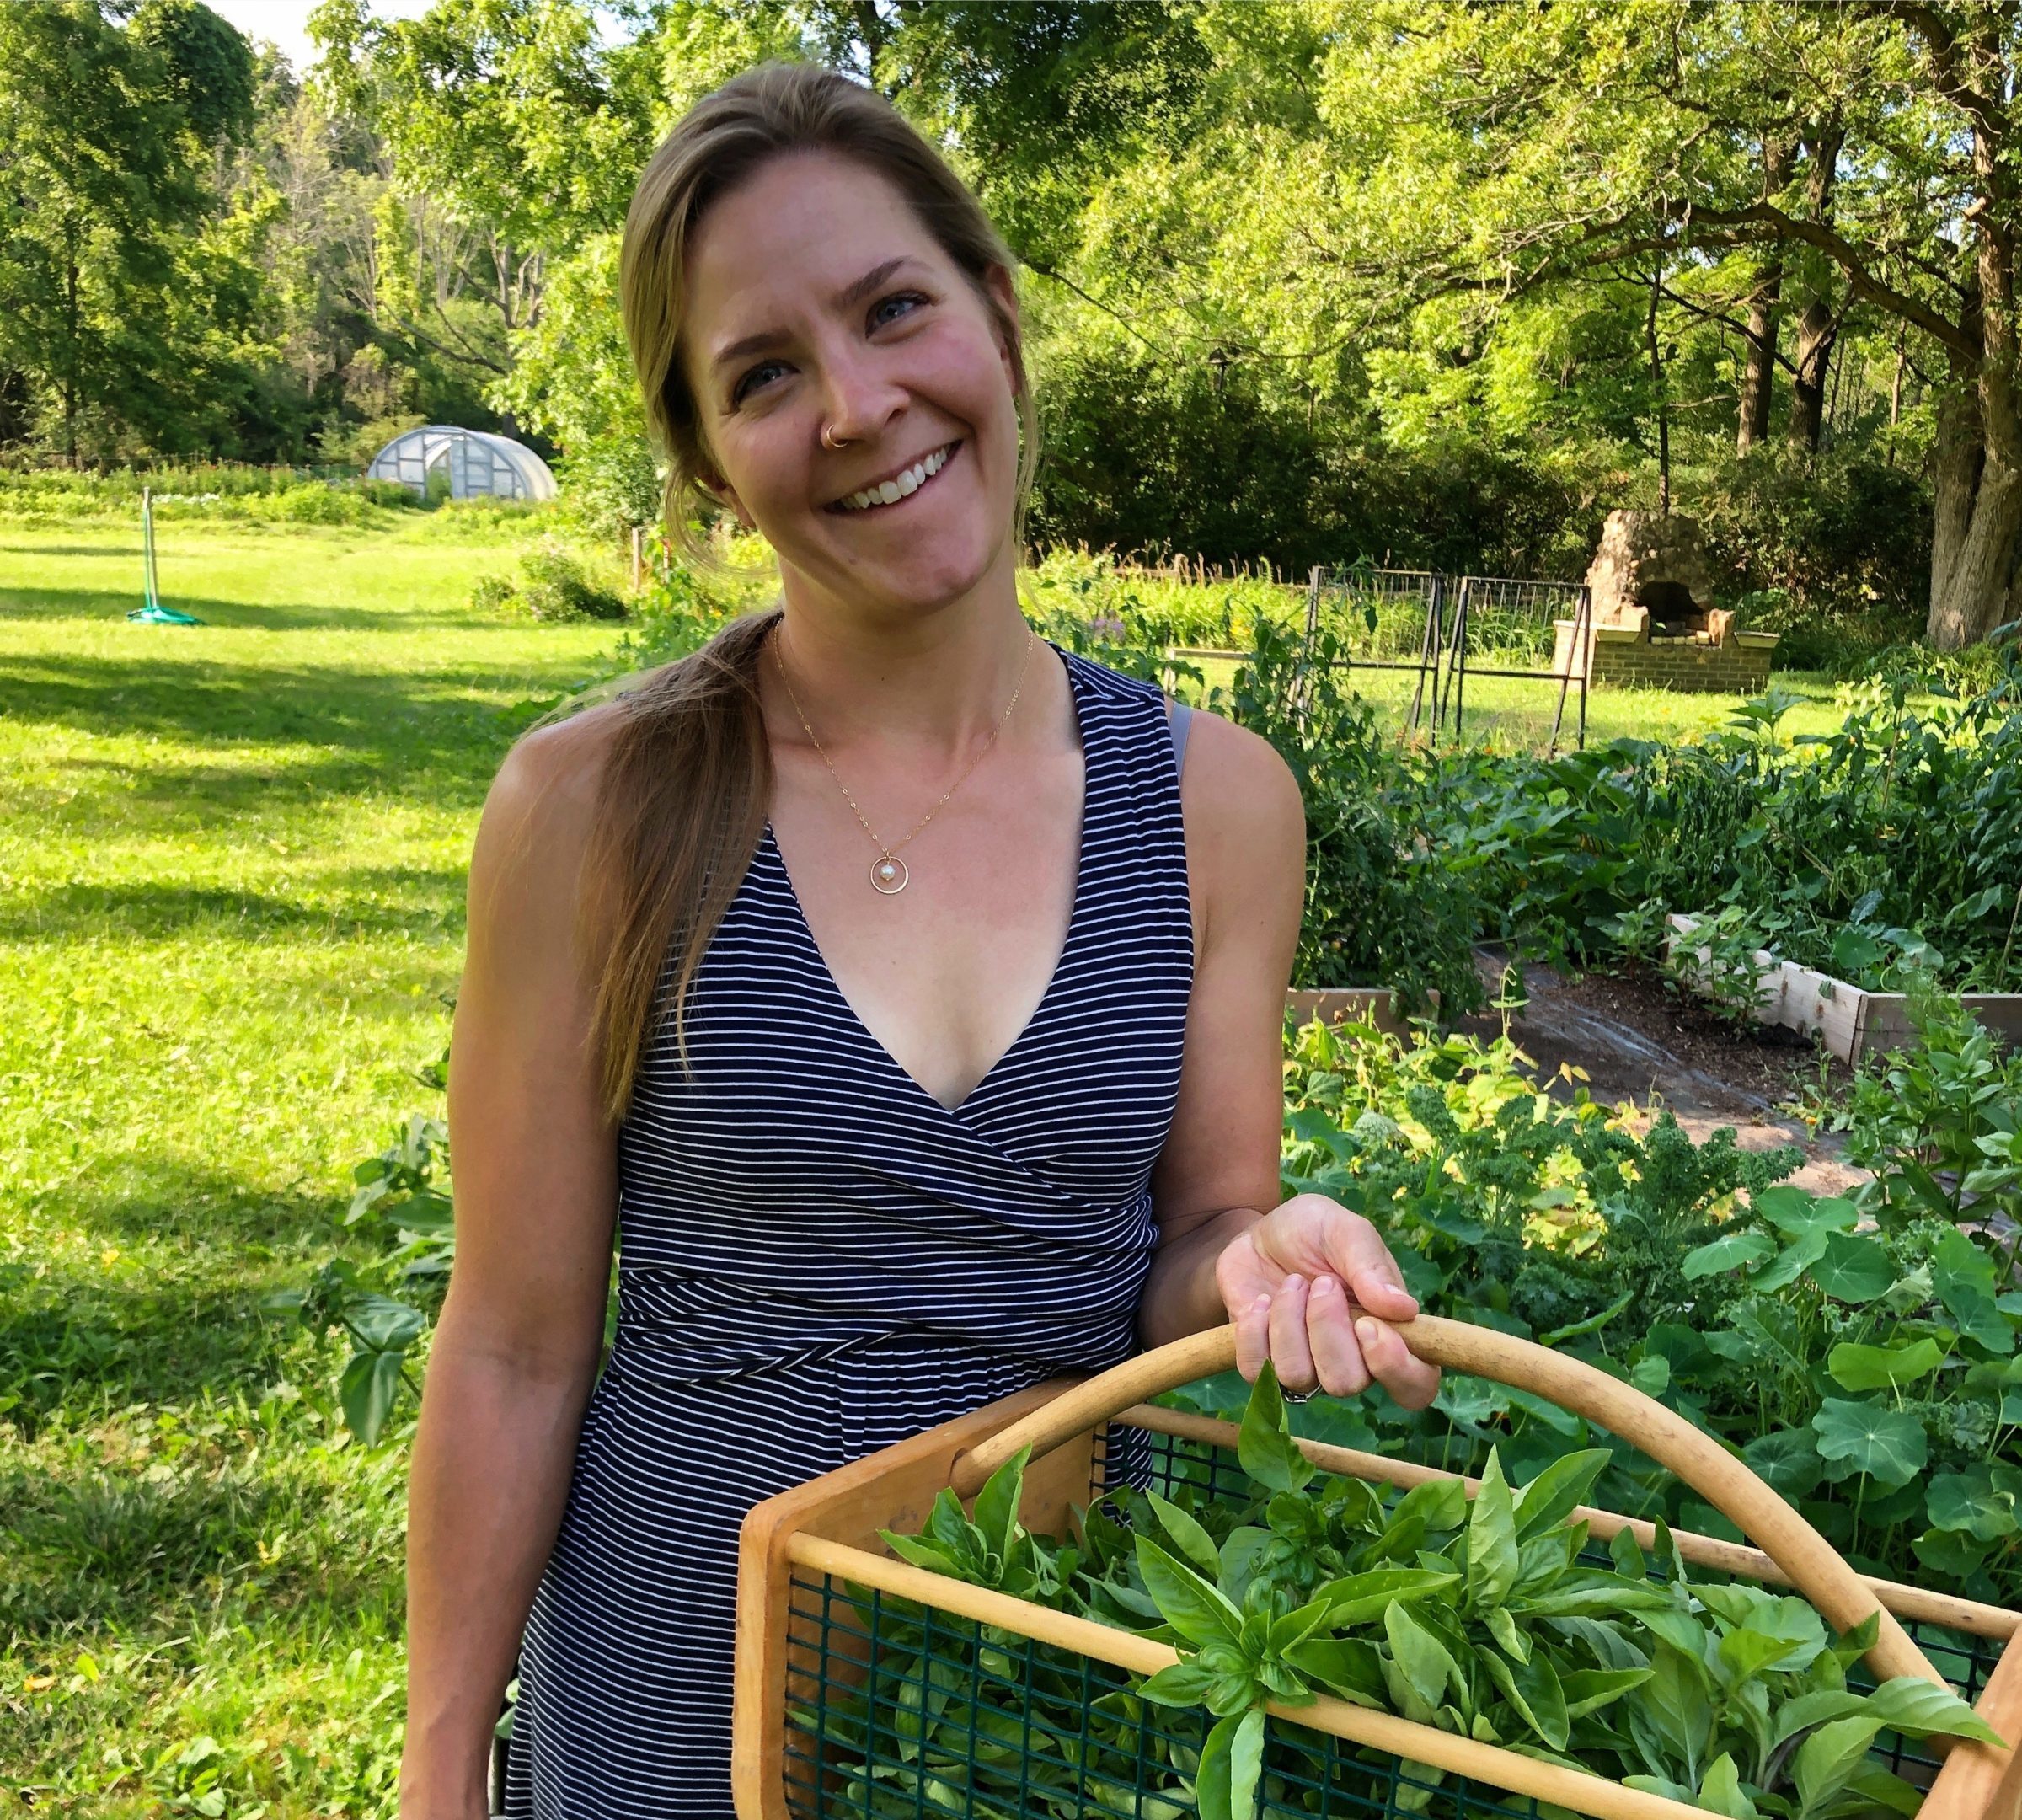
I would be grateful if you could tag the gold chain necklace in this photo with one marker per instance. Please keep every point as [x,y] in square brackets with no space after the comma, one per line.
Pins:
[888,873]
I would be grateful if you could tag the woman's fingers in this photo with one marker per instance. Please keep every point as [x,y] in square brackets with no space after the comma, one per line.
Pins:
[1371,1273]
[1330,1333]
[1252,1338]
[1411,1382]
[1289,1351]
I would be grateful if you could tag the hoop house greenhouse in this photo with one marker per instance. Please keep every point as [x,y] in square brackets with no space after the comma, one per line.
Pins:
[478,463]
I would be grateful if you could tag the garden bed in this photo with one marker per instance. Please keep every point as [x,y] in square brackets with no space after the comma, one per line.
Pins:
[1850,1020]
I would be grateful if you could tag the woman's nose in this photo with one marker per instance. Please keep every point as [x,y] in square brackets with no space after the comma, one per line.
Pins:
[860,397]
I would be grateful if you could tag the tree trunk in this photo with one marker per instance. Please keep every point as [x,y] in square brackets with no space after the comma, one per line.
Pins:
[1759,377]
[1977,508]
[1817,322]
[1817,333]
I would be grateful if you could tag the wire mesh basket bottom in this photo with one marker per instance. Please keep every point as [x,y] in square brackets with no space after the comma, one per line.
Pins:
[901,1712]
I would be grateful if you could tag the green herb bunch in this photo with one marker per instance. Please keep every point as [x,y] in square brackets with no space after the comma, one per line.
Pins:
[1490,1619]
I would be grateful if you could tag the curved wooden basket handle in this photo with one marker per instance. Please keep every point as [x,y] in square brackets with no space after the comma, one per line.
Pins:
[1814,1566]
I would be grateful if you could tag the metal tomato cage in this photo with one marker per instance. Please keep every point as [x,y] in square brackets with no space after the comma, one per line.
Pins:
[1356,617]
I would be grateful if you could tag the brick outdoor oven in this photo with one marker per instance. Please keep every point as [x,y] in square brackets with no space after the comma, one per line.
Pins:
[1654,625]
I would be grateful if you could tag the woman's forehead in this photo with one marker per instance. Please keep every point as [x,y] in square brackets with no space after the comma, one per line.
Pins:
[797,235]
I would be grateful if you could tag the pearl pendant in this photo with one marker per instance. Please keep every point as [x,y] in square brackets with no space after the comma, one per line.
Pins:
[888,875]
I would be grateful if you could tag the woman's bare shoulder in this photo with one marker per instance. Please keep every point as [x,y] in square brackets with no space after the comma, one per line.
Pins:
[1245,827]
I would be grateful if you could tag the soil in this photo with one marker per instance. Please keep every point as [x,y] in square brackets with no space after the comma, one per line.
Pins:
[1639,1042]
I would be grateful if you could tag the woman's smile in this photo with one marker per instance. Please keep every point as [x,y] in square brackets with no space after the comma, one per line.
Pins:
[896,488]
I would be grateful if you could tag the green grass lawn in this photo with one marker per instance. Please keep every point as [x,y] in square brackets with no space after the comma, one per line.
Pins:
[231,864]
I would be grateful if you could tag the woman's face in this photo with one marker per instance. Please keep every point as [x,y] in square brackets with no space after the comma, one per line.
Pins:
[816,297]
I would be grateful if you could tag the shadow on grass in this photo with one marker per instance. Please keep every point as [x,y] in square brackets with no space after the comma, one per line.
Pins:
[426,902]
[425,732]
[143,1542]
[89,1342]
[101,606]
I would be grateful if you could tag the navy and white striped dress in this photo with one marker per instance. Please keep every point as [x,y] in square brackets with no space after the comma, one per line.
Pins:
[818,1259]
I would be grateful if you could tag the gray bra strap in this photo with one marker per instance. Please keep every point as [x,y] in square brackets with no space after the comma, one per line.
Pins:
[1177,715]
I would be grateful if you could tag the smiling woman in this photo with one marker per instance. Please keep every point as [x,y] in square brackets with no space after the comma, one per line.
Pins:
[885,1138]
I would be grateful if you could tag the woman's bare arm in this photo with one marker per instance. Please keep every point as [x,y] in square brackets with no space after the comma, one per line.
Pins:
[515,1351]
[1298,1277]
[1246,865]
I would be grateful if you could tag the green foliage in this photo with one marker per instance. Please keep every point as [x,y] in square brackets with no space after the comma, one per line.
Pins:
[1889,847]
[1866,1355]
[553,583]
[1505,1631]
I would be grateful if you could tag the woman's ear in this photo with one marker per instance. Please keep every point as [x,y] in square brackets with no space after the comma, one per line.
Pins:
[719,489]
[1010,339]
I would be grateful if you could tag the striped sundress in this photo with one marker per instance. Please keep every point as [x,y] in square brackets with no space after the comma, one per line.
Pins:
[817,1259]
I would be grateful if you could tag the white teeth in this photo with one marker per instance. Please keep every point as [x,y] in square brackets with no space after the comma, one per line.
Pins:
[887,491]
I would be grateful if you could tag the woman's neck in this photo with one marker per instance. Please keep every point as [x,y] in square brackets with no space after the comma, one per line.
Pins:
[931,680]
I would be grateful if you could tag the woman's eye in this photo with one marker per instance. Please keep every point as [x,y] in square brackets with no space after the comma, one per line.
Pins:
[891,308]
[757,376]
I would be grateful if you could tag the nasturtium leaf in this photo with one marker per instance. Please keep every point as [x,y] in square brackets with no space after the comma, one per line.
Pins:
[1888,1445]
[1492,1557]
[1981,1503]
[1651,1375]
[1787,1461]
[1957,1263]
[1466,1401]
[1731,1251]
[1950,1552]
[1264,1442]
[1192,1540]
[1190,1605]
[1867,1368]
[1557,1491]
[1720,1789]
[1794,1261]
[1793,1211]
[1853,1269]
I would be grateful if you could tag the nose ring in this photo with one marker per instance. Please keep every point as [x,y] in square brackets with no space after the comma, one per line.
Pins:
[831,439]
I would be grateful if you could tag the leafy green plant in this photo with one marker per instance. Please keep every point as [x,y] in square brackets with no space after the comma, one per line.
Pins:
[1492,1619]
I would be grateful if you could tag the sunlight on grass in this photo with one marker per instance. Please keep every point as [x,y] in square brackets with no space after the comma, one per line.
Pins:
[231,915]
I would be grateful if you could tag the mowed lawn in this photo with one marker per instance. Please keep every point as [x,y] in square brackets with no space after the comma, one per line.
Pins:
[231,864]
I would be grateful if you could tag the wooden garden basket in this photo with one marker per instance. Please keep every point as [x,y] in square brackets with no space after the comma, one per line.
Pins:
[801,1637]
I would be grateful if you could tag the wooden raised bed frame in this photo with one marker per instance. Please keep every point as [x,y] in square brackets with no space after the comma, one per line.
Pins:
[830,1527]
[1849,1020]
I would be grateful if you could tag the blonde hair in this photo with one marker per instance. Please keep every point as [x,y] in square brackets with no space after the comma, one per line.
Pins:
[688,778]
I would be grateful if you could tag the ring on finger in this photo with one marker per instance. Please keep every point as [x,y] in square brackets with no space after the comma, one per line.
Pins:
[1299,1396]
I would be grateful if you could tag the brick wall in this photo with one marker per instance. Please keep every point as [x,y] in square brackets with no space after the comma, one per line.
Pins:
[1729,669]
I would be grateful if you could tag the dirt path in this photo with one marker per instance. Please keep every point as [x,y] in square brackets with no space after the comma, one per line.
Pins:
[1637,1042]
